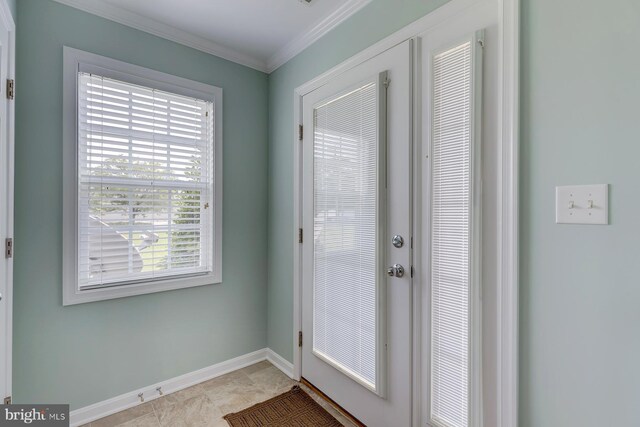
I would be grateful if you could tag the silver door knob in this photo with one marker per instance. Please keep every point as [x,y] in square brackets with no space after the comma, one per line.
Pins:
[396,271]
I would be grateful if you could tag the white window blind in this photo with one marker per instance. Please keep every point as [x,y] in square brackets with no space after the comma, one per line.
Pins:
[145,183]
[452,136]
[346,233]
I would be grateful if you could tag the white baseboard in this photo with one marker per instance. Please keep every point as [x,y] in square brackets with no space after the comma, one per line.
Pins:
[128,400]
[280,362]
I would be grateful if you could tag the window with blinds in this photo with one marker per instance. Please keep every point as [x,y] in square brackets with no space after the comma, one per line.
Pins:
[346,233]
[144,183]
[452,234]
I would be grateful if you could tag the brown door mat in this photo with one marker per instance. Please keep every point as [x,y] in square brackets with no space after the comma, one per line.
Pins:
[294,408]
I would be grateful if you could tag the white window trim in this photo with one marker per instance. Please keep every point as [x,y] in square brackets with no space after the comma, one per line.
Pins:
[74,60]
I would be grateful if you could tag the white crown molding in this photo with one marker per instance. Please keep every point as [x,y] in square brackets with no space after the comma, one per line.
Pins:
[309,37]
[133,20]
[294,47]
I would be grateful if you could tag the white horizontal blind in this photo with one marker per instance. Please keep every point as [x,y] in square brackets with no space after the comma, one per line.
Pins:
[145,183]
[346,233]
[451,236]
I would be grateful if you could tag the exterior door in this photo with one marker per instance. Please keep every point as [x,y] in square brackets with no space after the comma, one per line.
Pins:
[356,254]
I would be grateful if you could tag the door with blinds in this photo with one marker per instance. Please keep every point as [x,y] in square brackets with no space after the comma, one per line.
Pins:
[356,278]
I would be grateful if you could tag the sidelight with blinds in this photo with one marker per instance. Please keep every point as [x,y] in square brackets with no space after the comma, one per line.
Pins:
[455,94]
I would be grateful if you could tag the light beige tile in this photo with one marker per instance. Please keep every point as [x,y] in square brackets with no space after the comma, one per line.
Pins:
[221,422]
[178,397]
[205,404]
[124,416]
[257,367]
[148,420]
[236,377]
[234,392]
[194,412]
[260,395]
[244,390]
[272,380]
[234,404]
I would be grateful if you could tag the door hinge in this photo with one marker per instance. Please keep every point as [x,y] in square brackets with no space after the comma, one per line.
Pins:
[300,132]
[7,400]
[11,86]
[299,338]
[300,235]
[8,248]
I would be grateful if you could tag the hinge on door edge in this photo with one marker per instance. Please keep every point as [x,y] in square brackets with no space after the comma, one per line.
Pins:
[11,86]
[300,132]
[300,235]
[8,248]
[7,400]
[299,338]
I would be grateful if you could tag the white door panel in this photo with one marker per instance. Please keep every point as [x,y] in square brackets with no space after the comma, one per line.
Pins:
[356,197]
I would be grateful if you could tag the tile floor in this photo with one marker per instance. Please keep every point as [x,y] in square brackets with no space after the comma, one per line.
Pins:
[205,404]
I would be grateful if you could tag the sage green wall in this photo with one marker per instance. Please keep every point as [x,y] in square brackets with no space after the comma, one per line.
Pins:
[580,290]
[90,352]
[373,23]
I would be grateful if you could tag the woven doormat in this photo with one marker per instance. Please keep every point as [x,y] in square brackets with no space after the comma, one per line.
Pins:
[294,408]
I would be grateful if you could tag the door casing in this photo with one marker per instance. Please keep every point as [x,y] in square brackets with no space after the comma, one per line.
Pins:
[505,403]
[7,124]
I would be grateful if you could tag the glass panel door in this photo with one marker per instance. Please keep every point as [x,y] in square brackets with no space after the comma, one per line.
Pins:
[347,225]
[356,318]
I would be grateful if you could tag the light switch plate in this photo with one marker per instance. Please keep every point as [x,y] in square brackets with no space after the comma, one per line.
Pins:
[582,204]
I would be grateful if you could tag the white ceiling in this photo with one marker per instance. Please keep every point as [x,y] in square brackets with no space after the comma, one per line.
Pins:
[262,34]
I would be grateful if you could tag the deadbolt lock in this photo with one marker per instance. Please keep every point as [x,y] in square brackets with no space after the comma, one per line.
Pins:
[396,271]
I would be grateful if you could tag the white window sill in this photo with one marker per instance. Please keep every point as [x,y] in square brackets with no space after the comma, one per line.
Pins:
[128,290]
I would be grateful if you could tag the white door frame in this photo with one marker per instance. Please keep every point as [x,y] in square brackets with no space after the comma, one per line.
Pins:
[388,400]
[6,194]
[509,12]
